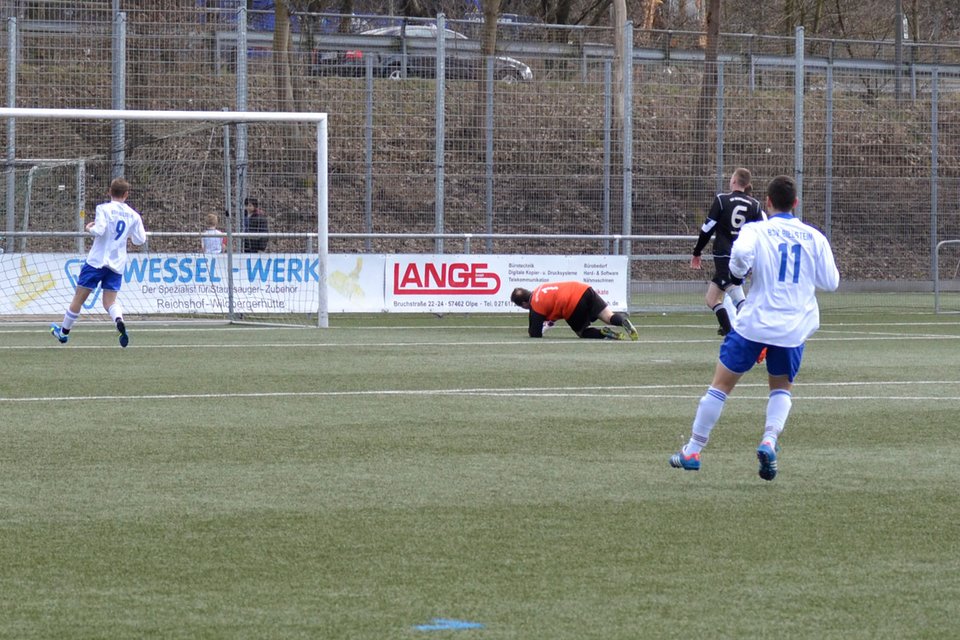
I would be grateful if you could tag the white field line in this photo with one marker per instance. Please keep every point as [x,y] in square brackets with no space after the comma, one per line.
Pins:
[156,326]
[660,392]
[461,343]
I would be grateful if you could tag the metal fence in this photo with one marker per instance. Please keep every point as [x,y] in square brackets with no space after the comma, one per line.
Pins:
[873,143]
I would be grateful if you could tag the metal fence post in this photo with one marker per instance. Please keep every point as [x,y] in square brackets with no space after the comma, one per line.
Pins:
[118,100]
[441,143]
[719,126]
[934,161]
[488,135]
[242,93]
[227,192]
[628,137]
[368,154]
[828,156]
[80,201]
[607,132]
[798,82]
[10,169]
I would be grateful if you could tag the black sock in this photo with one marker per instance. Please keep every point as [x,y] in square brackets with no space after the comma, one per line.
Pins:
[723,318]
[617,319]
[64,331]
[592,333]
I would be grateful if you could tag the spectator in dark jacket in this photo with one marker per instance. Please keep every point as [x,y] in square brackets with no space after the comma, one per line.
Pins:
[255,221]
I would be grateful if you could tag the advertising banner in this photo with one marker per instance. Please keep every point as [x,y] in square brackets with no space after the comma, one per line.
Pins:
[157,283]
[43,283]
[482,283]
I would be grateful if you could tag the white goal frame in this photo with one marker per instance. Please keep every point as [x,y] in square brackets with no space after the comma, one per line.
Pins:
[226,117]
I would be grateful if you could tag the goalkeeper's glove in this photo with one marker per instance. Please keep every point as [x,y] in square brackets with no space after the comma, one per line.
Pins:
[547,325]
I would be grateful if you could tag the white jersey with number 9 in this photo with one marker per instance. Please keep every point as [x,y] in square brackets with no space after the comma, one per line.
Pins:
[114,223]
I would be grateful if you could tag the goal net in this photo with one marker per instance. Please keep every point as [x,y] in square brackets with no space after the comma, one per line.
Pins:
[250,185]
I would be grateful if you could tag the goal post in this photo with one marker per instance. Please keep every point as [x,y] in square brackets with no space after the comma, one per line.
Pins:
[178,163]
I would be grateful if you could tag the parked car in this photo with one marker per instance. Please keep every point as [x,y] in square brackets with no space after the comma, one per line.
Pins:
[459,63]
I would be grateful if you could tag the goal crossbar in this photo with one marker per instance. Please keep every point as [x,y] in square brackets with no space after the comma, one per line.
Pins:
[226,117]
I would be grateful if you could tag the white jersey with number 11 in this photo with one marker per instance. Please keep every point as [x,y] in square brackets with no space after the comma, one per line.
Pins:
[789,260]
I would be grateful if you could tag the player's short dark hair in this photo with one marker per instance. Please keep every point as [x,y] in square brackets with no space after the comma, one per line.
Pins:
[119,187]
[251,201]
[519,296]
[782,192]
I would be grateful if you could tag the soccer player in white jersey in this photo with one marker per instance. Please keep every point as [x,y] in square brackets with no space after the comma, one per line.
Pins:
[114,224]
[789,261]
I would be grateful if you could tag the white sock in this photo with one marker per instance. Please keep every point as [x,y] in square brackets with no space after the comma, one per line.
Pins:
[69,318]
[736,296]
[708,412]
[778,408]
[115,311]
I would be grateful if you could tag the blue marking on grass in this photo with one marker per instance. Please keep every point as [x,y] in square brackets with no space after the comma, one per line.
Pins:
[445,624]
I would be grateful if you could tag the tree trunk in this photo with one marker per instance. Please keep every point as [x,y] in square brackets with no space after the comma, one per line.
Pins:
[708,95]
[283,80]
[475,124]
[650,13]
[346,23]
[618,11]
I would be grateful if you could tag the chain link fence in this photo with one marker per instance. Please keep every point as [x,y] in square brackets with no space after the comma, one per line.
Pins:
[529,141]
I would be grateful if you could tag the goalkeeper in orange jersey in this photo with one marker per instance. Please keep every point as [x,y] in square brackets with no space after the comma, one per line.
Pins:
[578,304]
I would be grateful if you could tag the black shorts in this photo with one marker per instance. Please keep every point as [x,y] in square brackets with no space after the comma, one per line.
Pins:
[721,273]
[586,311]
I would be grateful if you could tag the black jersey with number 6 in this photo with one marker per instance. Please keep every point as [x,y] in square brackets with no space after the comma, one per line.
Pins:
[730,211]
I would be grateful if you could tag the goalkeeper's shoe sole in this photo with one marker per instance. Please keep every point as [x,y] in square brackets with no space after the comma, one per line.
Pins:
[58,333]
[687,463]
[768,462]
[631,330]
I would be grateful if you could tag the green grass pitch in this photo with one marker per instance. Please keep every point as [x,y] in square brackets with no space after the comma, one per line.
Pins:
[362,481]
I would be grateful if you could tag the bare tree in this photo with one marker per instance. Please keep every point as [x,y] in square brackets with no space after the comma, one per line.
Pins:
[283,79]
[708,92]
[474,125]
[618,18]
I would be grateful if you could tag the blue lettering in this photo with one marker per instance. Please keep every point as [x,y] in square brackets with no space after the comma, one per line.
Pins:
[135,271]
[186,273]
[256,270]
[170,268]
[201,272]
[279,266]
[154,269]
[213,272]
[313,271]
[294,270]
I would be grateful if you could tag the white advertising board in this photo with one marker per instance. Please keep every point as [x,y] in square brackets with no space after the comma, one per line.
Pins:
[482,283]
[42,283]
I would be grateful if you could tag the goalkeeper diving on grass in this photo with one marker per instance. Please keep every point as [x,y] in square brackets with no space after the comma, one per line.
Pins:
[578,304]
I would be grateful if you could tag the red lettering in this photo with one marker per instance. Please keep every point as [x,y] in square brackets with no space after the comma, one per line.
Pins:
[458,278]
[461,275]
[439,278]
[410,277]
